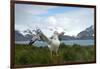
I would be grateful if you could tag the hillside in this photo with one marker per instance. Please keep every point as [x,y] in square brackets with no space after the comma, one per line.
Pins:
[88,33]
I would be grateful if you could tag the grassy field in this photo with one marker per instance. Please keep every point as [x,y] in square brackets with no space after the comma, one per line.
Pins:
[25,54]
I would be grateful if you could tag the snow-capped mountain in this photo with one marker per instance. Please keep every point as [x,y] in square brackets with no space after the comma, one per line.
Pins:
[20,37]
[88,33]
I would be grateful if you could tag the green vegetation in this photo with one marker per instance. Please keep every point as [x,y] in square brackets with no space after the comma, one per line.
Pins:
[25,54]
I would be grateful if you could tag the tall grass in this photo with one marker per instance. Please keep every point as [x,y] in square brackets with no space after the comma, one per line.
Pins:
[25,54]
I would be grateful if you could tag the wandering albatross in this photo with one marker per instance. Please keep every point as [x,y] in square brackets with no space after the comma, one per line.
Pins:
[53,42]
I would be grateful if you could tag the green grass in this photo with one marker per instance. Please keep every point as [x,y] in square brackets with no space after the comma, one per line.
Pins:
[25,54]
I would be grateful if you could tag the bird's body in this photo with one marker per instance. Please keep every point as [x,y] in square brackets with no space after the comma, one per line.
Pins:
[54,45]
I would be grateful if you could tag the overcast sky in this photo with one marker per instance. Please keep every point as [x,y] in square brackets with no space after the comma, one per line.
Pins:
[71,20]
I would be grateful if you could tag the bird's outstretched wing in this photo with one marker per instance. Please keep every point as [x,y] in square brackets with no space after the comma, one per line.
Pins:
[60,36]
[35,38]
[42,36]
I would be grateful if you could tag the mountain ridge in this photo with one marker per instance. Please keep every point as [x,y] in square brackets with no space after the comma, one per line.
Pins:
[83,35]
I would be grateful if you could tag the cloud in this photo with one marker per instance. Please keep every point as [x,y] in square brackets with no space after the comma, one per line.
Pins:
[75,21]
[37,12]
[71,21]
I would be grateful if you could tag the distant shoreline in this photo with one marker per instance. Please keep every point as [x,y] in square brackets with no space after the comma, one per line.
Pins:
[66,42]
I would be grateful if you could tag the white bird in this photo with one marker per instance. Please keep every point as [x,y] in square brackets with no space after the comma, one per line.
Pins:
[53,42]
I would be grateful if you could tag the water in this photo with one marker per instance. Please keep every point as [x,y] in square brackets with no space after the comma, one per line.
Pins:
[67,42]
[80,42]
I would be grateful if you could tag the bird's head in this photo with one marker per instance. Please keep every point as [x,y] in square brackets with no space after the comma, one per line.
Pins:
[59,34]
[56,33]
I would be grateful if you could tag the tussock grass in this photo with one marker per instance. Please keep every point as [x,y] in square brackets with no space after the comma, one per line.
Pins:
[25,54]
